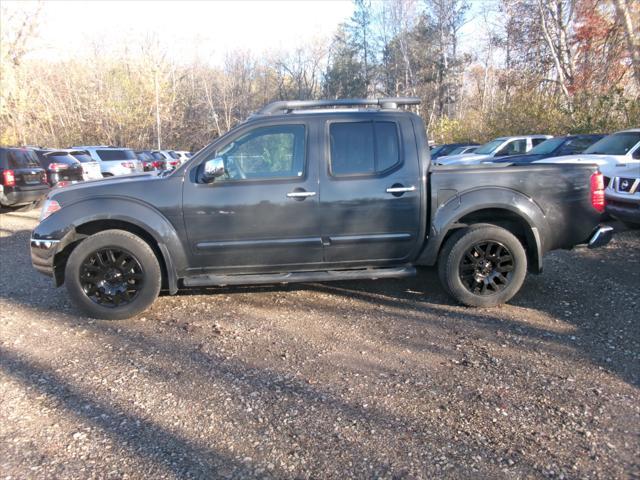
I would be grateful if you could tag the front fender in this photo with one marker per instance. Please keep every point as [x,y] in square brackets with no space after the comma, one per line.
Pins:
[63,226]
[447,216]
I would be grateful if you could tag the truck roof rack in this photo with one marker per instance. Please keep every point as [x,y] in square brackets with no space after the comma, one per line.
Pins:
[287,106]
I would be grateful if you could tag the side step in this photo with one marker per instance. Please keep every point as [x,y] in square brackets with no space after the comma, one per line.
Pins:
[292,277]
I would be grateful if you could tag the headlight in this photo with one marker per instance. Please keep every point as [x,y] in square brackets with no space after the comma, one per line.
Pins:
[49,207]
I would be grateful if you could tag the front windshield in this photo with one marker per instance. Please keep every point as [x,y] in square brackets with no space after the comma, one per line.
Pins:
[616,144]
[547,146]
[490,147]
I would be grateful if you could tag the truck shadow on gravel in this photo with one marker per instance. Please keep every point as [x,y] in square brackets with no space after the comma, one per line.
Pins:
[174,453]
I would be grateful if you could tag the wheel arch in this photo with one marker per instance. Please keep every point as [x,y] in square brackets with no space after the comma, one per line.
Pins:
[505,208]
[136,218]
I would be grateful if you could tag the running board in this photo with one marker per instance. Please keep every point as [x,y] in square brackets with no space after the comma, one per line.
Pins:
[293,277]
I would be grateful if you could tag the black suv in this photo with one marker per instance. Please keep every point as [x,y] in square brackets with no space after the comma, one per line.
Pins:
[61,167]
[22,180]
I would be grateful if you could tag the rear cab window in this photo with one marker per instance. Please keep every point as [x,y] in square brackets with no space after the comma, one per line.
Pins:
[363,148]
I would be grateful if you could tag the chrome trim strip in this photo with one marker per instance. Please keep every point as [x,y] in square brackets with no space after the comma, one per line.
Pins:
[401,189]
[300,194]
[601,237]
[42,243]
[283,242]
[385,237]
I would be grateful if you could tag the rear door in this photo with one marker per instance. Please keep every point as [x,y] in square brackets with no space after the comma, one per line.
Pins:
[262,214]
[370,193]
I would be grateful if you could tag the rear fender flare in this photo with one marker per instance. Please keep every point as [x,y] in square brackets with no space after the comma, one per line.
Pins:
[448,215]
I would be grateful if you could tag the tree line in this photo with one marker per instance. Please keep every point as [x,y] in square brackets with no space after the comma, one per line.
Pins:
[538,66]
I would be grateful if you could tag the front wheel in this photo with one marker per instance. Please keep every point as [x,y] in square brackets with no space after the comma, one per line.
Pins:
[113,275]
[482,265]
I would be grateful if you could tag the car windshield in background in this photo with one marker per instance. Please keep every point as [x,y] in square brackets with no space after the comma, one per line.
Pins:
[459,150]
[83,157]
[61,158]
[547,146]
[17,158]
[111,155]
[437,150]
[174,155]
[616,144]
[157,155]
[490,147]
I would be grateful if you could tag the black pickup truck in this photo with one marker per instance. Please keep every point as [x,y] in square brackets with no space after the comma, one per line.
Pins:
[313,191]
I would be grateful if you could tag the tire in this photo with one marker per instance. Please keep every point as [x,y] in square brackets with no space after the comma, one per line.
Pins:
[487,276]
[116,285]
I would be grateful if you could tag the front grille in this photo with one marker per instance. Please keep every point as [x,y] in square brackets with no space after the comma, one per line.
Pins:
[625,184]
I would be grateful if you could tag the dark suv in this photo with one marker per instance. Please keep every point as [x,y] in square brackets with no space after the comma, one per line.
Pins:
[22,180]
[61,167]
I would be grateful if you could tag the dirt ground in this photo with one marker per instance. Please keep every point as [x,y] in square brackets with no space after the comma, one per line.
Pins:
[376,379]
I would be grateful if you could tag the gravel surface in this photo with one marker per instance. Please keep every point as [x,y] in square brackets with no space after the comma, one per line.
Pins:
[377,379]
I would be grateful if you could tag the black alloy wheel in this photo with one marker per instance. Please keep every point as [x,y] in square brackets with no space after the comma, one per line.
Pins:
[111,277]
[485,268]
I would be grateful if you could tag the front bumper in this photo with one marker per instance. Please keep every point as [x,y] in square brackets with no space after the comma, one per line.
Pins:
[600,237]
[19,196]
[627,210]
[43,254]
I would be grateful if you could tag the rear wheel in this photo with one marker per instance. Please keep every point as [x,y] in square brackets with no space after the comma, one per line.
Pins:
[482,265]
[113,275]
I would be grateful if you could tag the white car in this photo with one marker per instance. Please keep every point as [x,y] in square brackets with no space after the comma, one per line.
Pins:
[613,150]
[500,147]
[623,194]
[90,167]
[183,155]
[113,160]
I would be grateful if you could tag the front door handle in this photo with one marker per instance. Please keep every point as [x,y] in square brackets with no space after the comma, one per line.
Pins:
[300,195]
[399,189]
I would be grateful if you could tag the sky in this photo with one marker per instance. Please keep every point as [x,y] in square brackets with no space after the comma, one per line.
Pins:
[188,29]
[71,28]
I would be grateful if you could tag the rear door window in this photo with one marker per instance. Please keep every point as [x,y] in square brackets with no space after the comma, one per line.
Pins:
[363,148]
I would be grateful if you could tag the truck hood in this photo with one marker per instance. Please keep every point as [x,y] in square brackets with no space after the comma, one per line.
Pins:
[461,159]
[104,186]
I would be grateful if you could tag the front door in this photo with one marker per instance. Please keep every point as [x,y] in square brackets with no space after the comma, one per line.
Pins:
[370,191]
[262,214]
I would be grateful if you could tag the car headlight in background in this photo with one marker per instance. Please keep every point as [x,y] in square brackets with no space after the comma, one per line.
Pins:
[49,207]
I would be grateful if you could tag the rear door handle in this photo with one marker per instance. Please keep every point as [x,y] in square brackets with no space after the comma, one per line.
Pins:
[300,195]
[401,189]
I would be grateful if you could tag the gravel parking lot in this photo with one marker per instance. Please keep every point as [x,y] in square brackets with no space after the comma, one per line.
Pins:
[382,379]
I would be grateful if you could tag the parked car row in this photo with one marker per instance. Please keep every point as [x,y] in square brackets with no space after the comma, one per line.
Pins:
[617,156]
[28,172]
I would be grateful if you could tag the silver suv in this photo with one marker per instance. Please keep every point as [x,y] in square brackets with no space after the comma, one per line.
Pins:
[499,147]
[113,160]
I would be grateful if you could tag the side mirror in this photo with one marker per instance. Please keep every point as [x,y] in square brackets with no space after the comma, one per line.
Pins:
[213,169]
